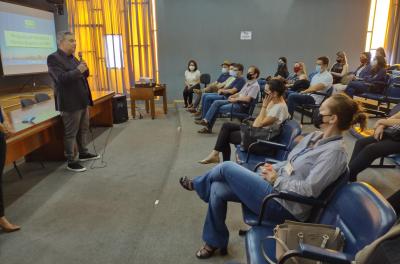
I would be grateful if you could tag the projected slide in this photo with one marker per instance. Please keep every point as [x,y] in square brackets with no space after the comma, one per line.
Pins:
[27,37]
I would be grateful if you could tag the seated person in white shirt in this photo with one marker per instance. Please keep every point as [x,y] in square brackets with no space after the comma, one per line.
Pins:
[320,82]
[192,81]
[239,101]
[273,112]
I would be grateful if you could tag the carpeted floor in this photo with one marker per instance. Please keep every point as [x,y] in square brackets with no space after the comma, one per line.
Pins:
[131,211]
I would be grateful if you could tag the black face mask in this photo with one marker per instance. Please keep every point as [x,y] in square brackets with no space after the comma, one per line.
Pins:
[249,76]
[318,119]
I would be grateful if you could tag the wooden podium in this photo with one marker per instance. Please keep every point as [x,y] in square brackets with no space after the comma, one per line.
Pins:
[148,94]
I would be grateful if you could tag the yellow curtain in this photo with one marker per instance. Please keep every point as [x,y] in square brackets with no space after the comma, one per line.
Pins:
[99,25]
[392,38]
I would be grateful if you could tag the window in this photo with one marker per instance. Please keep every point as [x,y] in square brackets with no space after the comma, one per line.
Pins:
[118,39]
[114,56]
[377,25]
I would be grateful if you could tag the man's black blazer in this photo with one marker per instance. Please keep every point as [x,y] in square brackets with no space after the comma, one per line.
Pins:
[71,88]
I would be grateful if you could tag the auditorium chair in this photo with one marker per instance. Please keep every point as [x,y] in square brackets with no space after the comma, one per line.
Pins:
[310,109]
[390,94]
[282,146]
[244,115]
[205,79]
[360,212]
[41,97]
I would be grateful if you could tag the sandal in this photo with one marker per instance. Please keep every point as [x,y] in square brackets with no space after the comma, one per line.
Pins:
[208,251]
[204,130]
[186,183]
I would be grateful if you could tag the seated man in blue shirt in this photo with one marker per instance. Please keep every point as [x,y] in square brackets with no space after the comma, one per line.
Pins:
[239,101]
[225,92]
[212,87]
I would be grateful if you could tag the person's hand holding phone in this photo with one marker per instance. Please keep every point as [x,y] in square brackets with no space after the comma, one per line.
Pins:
[82,67]
[268,173]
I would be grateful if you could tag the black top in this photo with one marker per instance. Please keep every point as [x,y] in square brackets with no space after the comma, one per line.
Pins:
[338,68]
[71,88]
[282,71]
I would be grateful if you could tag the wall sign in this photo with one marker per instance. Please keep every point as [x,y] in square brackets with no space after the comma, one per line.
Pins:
[245,35]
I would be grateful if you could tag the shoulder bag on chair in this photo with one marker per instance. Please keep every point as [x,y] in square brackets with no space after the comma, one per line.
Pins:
[290,234]
[250,134]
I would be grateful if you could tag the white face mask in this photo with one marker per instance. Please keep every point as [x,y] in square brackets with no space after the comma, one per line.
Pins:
[224,70]
[374,63]
[232,73]
[191,68]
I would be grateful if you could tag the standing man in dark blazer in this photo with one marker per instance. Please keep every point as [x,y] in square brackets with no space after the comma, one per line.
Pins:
[72,97]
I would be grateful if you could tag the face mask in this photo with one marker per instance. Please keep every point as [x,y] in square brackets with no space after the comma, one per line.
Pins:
[280,63]
[318,68]
[232,73]
[296,69]
[191,68]
[374,63]
[339,60]
[224,70]
[318,119]
[249,76]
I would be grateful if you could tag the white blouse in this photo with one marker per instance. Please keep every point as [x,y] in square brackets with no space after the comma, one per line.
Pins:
[192,77]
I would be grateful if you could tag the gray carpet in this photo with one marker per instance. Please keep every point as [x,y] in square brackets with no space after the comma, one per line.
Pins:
[110,215]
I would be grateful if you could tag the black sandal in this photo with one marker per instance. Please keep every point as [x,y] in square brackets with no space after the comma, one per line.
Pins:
[208,251]
[186,183]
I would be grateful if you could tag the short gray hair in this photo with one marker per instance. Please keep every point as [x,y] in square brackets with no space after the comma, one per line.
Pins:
[61,36]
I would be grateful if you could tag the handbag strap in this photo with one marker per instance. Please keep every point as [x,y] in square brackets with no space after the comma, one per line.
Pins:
[278,240]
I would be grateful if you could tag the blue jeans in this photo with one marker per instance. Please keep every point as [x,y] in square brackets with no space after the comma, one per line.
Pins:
[356,87]
[220,107]
[294,99]
[207,100]
[230,182]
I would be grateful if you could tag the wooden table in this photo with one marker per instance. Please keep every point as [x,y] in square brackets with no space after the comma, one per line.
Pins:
[148,95]
[43,139]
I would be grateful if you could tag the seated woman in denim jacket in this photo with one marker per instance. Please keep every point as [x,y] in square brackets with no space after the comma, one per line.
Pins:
[273,111]
[372,83]
[316,162]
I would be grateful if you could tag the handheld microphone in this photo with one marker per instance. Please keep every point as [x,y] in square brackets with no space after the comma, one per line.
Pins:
[80,56]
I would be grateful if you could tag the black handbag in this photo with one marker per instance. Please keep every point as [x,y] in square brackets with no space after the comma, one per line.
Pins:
[250,134]
[392,132]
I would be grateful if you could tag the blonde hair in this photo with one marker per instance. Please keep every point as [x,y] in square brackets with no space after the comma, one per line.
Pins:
[343,55]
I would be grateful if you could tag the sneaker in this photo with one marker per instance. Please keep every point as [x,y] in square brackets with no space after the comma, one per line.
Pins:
[88,156]
[75,166]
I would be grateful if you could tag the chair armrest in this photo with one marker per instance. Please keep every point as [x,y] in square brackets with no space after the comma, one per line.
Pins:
[317,253]
[271,144]
[289,196]
[320,93]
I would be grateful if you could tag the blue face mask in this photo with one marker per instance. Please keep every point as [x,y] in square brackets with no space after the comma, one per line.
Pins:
[224,70]
[318,68]
[232,73]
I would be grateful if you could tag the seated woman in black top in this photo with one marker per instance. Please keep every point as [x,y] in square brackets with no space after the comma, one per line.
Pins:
[282,71]
[340,68]
[274,111]
[4,130]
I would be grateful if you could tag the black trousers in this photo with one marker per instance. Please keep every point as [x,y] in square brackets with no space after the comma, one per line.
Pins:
[2,161]
[367,150]
[229,134]
[188,94]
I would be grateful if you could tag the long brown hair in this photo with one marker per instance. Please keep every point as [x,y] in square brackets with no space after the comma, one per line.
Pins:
[381,64]
[348,111]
